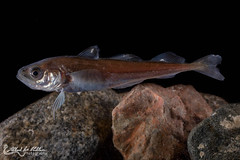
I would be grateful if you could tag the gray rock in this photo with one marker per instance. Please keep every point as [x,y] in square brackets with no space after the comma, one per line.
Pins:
[81,125]
[217,137]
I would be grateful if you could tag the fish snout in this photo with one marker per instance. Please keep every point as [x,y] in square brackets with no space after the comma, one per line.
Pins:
[21,72]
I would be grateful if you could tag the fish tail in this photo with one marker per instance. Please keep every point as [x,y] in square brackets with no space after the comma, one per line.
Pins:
[208,66]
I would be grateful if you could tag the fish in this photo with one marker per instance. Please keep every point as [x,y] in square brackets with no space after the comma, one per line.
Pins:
[87,72]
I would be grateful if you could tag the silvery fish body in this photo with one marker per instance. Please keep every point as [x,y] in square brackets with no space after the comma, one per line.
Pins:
[88,72]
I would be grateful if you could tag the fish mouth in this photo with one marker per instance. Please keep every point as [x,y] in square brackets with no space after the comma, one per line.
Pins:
[21,77]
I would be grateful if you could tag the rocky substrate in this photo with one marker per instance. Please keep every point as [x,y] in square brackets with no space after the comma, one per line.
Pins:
[148,123]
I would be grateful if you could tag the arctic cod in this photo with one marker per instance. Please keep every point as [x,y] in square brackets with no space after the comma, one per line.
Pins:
[88,72]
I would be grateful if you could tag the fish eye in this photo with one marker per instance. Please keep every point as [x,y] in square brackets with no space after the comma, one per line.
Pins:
[36,72]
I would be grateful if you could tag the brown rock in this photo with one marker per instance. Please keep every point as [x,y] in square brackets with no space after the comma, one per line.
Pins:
[152,122]
[214,101]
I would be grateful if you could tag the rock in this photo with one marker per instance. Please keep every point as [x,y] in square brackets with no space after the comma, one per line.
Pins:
[81,125]
[153,123]
[214,101]
[217,137]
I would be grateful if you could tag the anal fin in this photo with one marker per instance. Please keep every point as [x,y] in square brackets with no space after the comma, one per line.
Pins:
[167,76]
[128,84]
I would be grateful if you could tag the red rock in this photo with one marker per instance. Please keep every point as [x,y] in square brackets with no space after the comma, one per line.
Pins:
[152,122]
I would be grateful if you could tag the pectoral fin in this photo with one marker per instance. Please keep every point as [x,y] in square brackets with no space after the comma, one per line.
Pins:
[58,102]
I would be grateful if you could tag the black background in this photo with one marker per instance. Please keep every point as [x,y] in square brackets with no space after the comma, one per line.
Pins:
[34,32]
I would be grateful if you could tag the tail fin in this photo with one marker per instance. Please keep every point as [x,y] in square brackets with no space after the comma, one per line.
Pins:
[209,68]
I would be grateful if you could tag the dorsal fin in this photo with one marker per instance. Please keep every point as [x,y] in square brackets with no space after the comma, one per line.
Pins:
[91,52]
[126,57]
[168,57]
